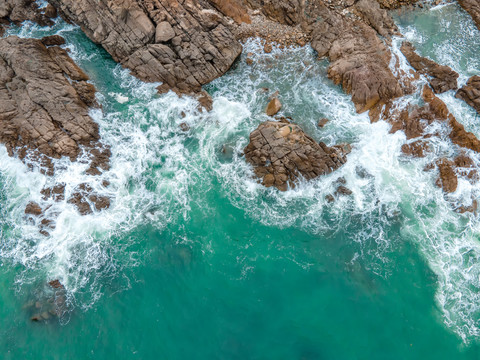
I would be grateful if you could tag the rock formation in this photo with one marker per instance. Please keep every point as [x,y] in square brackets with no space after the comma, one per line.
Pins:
[17,11]
[473,8]
[440,77]
[470,93]
[359,59]
[40,109]
[281,152]
[183,44]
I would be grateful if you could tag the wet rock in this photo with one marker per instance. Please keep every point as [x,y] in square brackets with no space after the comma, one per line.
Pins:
[359,59]
[330,198]
[84,196]
[56,192]
[273,107]
[184,127]
[53,40]
[280,152]
[322,122]
[33,208]
[343,190]
[466,167]
[470,93]
[473,8]
[249,61]
[40,109]
[50,11]
[447,179]
[417,148]
[183,44]
[441,77]
[268,48]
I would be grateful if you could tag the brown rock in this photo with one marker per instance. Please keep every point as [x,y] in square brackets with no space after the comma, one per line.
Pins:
[249,61]
[196,44]
[17,11]
[84,195]
[50,11]
[53,40]
[470,93]
[273,107]
[473,8]
[39,108]
[233,9]
[33,208]
[441,77]
[359,59]
[343,190]
[281,151]
[268,48]
[417,148]
[447,179]
[322,122]
[164,32]
[56,192]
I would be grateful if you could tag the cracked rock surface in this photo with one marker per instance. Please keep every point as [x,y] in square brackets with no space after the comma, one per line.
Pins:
[281,152]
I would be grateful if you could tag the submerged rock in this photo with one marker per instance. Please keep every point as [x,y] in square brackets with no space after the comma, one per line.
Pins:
[470,93]
[447,178]
[281,152]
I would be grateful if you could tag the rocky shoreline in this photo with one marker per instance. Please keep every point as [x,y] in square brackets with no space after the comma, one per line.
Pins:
[186,44]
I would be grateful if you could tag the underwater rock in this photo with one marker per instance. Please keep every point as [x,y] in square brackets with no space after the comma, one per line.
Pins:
[280,152]
[273,107]
[182,44]
[470,93]
[51,303]
[322,122]
[441,78]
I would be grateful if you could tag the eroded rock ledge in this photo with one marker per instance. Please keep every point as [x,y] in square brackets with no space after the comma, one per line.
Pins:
[45,100]
[281,152]
[470,93]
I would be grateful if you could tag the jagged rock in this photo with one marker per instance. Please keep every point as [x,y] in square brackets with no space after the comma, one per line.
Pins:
[470,93]
[267,48]
[466,167]
[18,11]
[281,152]
[33,208]
[201,49]
[395,4]
[84,195]
[53,40]
[417,148]
[56,192]
[473,8]
[343,190]
[441,77]
[50,11]
[40,109]
[447,179]
[273,107]
[359,59]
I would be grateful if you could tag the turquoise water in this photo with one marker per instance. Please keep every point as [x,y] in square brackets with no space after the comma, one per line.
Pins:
[195,260]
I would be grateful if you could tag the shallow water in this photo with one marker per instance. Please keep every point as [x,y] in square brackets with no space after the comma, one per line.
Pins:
[194,259]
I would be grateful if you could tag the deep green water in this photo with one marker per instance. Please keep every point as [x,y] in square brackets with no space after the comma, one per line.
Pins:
[195,260]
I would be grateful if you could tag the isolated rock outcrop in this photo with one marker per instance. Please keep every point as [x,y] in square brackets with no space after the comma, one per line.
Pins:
[441,78]
[470,93]
[183,44]
[281,152]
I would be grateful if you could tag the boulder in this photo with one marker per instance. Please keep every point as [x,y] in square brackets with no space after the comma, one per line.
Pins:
[473,8]
[273,107]
[164,32]
[322,122]
[280,152]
